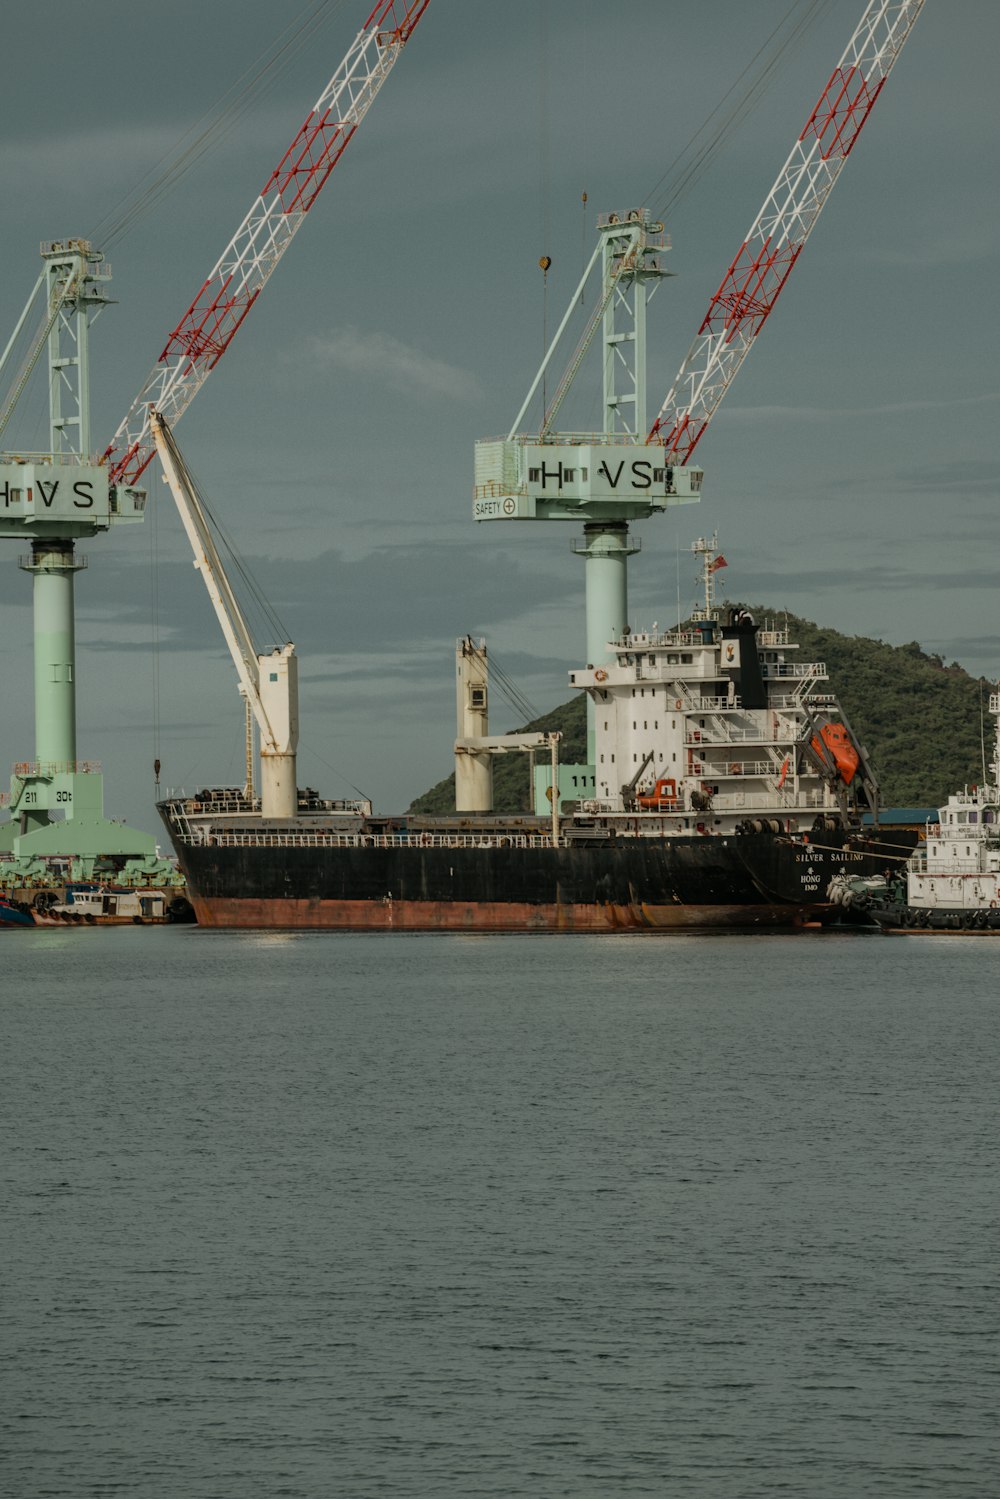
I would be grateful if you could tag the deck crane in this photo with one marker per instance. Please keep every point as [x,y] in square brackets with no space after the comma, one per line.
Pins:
[632,470]
[55,498]
[268,680]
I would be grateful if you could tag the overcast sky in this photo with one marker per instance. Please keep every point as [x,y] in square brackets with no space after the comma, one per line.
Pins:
[851,472]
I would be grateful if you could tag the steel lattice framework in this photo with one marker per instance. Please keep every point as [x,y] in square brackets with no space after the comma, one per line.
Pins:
[206,330]
[754,281]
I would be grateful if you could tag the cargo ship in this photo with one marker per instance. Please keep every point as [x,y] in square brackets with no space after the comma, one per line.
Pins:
[722,786]
[727,790]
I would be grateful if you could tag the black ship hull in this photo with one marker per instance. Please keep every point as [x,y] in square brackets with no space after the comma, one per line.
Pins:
[423,882]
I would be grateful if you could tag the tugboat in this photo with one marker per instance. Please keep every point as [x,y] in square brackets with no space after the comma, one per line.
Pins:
[952,882]
[97,905]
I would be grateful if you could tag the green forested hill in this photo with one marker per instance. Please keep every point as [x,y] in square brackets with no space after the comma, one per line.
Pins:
[918,719]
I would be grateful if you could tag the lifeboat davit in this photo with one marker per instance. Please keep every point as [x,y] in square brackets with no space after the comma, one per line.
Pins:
[837,746]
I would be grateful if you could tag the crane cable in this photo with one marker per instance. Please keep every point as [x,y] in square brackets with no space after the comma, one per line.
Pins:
[687,169]
[212,128]
[252,601]
[154,630]
[512,693]
[693,160]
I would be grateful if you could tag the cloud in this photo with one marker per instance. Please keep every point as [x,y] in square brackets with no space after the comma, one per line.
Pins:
[962,474]
[391,599]
[968,645]
[973,245]
[388,361]
[864,579]
[853,413]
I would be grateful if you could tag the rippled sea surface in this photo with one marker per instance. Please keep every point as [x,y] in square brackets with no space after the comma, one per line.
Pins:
[311,1214]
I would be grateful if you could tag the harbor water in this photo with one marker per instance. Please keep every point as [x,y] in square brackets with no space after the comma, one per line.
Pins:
[312,1214]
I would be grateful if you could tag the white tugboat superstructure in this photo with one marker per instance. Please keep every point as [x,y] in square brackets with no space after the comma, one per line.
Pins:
[952,881]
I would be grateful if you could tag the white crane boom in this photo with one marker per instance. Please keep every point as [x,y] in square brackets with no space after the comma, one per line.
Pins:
[268,681]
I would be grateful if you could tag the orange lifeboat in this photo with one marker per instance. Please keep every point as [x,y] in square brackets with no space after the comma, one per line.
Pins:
[663,794]
[838,746]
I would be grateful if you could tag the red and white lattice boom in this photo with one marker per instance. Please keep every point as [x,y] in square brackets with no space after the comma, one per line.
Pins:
[206,330]
[753,282]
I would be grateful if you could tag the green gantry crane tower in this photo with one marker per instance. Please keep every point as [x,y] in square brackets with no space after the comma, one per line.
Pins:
[631,468]
[51,501]
[54,499]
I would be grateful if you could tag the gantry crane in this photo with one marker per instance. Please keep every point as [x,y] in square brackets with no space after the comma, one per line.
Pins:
[629,471]
[54,499]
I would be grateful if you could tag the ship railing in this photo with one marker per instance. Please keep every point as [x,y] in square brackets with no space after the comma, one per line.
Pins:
[641,640]
[721,704]
[236,804]
[707,704]
[736,801]
[648,822]
[738,768]
[794,669]
[741,801]
[232,807]
[709,738]
[200,834]
[963,864]
[963,832]
[773,638]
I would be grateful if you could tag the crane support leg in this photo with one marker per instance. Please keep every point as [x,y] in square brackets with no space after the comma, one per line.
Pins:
[278,795]
[605,550]
[53,564]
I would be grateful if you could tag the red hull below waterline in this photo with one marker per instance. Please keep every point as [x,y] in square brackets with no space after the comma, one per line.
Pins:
[497,916]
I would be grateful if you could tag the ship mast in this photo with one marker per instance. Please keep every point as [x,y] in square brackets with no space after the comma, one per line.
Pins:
[711,561]
[995,767]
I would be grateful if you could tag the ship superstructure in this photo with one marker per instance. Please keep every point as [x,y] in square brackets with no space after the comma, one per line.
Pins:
[716,722]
